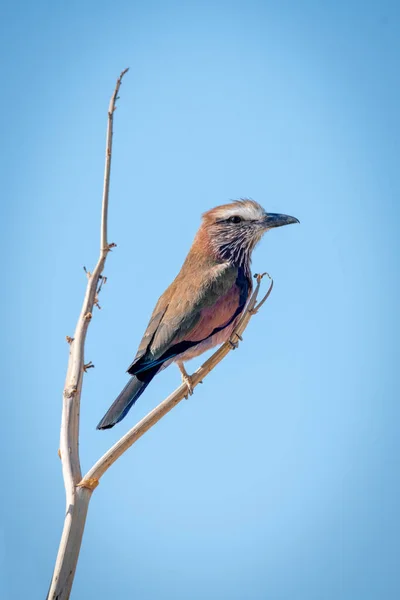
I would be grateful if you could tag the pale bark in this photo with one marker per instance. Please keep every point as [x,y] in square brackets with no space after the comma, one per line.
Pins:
[77,497]
[79,489]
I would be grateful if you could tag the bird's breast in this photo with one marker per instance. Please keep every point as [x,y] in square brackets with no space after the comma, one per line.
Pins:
[216,318]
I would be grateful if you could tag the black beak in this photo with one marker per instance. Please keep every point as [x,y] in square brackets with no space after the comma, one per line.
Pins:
[276,220]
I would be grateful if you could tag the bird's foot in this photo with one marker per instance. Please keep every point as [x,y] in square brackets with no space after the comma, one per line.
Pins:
[234,341]
[187,379]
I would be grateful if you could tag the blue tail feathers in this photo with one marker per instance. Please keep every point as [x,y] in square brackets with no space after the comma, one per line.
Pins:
[124,402]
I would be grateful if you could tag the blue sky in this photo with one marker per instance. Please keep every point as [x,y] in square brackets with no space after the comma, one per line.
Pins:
[279,478]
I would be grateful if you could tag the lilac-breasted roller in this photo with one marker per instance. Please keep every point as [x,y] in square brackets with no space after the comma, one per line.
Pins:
[204,302]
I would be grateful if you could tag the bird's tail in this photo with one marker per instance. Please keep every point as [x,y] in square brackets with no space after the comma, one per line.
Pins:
[121,406]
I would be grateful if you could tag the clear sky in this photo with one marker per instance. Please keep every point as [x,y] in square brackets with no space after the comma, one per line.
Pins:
[278,480]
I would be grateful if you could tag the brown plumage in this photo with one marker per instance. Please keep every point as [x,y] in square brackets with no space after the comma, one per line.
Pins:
[204,302]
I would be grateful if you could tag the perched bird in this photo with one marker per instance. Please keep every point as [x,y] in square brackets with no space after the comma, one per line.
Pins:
[204,302]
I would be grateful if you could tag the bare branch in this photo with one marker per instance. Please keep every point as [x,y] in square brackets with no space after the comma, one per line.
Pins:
[104,247]
[77,498]
[265,298]
[87,366]
[105,462]
[79,490]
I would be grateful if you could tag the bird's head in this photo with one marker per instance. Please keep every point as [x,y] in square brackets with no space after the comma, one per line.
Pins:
[234,229]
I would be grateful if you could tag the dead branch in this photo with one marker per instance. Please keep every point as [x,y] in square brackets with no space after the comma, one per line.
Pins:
[77,498]
[79,489]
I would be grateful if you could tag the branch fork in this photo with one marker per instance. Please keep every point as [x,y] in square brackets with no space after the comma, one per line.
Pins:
[109,247]
[78,489]
[78,497]
[109,458]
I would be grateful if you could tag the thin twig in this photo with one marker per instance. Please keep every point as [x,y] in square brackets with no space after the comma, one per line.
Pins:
[77,498]
[265,298]
[104,247]
[105,462]
[103,281]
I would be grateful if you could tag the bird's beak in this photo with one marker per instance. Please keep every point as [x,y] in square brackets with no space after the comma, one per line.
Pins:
[276,220]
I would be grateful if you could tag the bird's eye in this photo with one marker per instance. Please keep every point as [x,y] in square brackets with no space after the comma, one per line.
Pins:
[235,219]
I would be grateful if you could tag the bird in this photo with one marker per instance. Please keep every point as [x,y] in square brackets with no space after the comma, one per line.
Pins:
[203,304]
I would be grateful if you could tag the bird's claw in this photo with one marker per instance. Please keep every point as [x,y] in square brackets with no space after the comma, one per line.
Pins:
[235,344]
[187,379]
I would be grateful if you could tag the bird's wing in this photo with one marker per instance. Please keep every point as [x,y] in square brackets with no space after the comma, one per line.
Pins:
[195,311]
[151,330]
